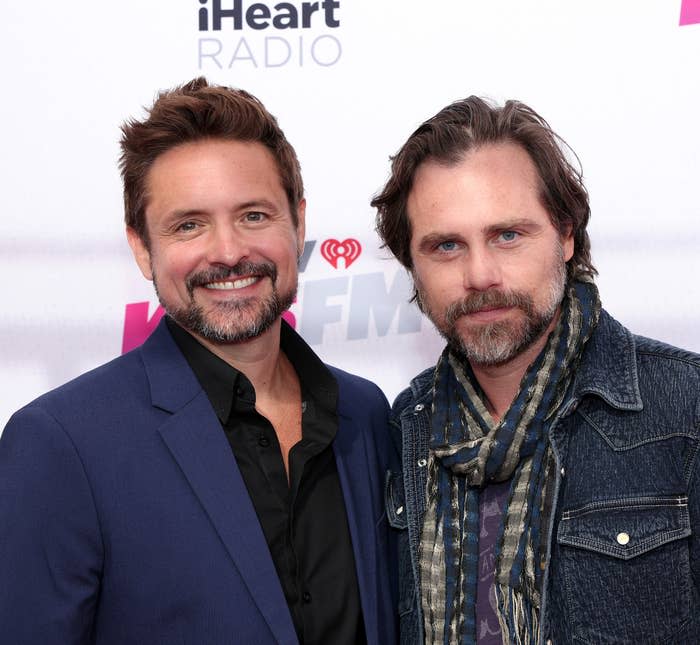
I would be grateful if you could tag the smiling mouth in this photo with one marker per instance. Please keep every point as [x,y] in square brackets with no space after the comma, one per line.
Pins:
[224,285]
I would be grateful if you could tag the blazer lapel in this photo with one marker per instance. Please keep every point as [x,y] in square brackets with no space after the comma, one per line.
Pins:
[196,441]
[357,481]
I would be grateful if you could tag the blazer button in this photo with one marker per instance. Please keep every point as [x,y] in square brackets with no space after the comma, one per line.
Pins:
[263,442]
[306,596]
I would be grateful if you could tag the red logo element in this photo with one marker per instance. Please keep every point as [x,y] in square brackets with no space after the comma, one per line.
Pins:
[349,250]
[690,12]
[137,325]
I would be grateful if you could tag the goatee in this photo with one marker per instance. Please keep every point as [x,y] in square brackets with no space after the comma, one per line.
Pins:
[235,320]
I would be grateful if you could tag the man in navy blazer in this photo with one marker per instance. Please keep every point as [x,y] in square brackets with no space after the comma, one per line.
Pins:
[219,484]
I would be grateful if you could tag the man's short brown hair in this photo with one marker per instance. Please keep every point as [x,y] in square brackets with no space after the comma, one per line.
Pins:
[466,125]
[197,111]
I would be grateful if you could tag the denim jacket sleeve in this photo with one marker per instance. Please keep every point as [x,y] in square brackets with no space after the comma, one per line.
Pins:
[405,497]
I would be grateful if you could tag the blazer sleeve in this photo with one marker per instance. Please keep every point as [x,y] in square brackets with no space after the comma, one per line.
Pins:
[50,545]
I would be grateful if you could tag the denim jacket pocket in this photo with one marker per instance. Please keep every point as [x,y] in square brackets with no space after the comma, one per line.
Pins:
[613,555]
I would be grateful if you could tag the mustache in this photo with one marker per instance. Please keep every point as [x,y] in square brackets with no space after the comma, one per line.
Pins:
[220,273]
[492,299]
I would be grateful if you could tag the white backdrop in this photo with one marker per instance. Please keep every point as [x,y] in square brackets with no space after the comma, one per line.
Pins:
[618,80]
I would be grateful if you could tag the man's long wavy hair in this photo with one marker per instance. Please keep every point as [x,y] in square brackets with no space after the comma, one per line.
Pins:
[466,125]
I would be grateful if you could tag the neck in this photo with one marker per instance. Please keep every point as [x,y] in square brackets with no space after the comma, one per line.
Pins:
[276,384]
[501,383]
[259,358]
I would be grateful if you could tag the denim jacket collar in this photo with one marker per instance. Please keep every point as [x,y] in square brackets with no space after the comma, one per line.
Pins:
[608,367]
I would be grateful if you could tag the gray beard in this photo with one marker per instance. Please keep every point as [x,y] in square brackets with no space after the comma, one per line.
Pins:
[499,342]
[193,318]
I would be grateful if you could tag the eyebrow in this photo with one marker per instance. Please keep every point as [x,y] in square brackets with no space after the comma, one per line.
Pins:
[257,203]
[516,222]
[253,203]
[433,239]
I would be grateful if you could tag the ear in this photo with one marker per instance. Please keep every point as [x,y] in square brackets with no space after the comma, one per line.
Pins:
[301,226]
[567,243]
[141,253]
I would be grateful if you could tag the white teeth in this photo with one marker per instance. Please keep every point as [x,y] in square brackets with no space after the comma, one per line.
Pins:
[236,284]
[245,282]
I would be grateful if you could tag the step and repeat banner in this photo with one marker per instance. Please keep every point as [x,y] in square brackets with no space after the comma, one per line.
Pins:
[348,80]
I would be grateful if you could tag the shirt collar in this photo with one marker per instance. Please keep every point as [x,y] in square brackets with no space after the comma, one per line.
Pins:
[221,382]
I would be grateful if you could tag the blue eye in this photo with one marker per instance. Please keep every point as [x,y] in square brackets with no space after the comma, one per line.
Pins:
[449,245]
[187,226]
[255,216]
[509,236]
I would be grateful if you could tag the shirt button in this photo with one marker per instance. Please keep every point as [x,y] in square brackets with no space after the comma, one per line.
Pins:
[263,442]
[419,407]
[306,596]
[422,463]
[623,538]
[562,472]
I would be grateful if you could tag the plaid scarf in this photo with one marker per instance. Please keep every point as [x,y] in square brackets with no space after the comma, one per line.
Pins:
[467,451]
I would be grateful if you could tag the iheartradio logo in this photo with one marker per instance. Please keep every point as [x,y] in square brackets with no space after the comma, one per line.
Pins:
[349,249]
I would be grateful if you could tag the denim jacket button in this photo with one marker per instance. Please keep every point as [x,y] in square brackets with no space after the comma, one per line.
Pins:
[422,463]
[399,510]
[419,407]
[563,472]
[623,538]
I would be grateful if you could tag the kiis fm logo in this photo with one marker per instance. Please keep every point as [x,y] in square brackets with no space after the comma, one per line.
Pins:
[365,297]
[268,51]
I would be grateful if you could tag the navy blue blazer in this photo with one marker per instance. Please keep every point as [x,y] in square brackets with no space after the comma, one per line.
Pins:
[124,518]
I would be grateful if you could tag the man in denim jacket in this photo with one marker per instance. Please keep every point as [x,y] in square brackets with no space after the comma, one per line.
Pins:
[549,491]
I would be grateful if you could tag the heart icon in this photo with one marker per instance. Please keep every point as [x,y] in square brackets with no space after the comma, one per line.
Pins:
[349,250]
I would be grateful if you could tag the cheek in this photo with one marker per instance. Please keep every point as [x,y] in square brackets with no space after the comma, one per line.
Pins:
[441,280]
[434,296]
[172,267]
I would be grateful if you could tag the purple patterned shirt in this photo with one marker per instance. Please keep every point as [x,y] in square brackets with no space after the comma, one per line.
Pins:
[491,507]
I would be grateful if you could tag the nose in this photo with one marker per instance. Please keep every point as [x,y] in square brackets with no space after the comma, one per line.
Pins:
[226,245]
[481,270]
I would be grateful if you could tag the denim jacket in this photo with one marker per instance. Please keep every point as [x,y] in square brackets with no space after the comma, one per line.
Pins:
[623,563]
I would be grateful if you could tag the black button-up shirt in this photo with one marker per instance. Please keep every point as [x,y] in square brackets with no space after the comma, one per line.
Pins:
[303,518]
